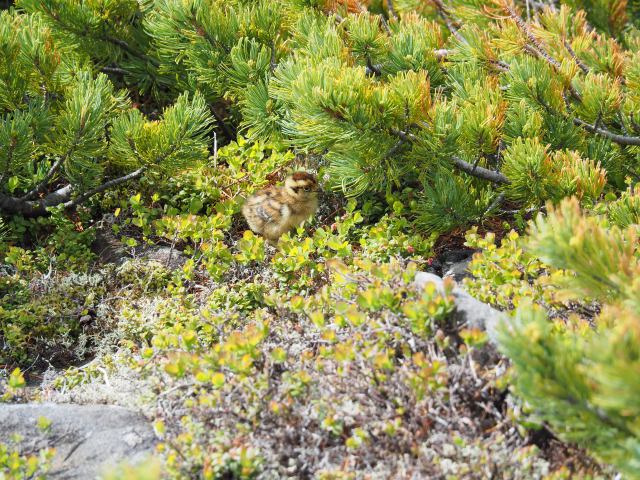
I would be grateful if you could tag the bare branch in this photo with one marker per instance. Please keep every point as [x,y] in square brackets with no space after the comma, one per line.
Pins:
[534,41]
[475,171]
[35,208]
[573,54]
[385,25]
[41,186]
[114,70]
[614,137]
[442,11]
[480,172]
[105,186]
[392,10]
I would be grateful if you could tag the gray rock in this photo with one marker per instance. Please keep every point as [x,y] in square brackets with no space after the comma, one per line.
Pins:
[422,278]
[87,438]
[108,248]
[458,270]
[454,263]
[111,250]
[469,312]
[167,256]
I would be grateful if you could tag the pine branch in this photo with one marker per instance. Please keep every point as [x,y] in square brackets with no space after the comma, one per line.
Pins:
[537,48]
[614,137]
[105,186]
[10,205]
[532,39]
[500,65]
[45,181]
[385,25]
[392,10]
[480,172]
[573,54]
[473,170]
[54,168]
[442,11]
[105,38]
[114,70]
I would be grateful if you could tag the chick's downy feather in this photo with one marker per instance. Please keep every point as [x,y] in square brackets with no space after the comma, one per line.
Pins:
[276,210]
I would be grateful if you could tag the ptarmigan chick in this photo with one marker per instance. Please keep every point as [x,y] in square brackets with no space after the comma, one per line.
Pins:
[276,210]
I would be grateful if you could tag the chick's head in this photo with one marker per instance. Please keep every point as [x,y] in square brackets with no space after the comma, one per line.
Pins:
[301,186]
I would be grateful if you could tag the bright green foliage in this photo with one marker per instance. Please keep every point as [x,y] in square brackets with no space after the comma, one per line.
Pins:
[196,210]
[62,242]
[241,344]
[625,211]
[147,470]
[224,356]
[449,201]
[506,275]
[583,380]
[317,357]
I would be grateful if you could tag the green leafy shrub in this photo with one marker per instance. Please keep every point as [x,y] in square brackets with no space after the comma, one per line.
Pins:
[57,241]
[41,318]
[223,358]
[506,275]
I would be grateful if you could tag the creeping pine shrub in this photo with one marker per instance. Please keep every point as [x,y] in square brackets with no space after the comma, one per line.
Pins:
[509,274]
[579,378]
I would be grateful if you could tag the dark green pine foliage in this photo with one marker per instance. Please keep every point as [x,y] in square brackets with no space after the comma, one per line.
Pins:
[67,132]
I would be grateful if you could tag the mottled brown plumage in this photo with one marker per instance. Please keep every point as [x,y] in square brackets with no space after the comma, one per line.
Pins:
[276,210]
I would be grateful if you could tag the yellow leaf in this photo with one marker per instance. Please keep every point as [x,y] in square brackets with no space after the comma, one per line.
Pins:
[218,379]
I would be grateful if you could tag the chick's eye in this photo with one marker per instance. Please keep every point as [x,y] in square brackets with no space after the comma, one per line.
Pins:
[307,189]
